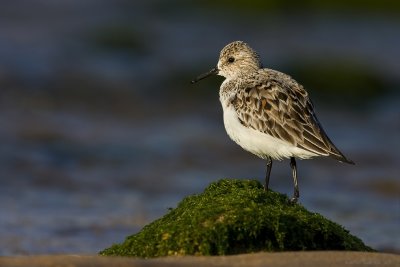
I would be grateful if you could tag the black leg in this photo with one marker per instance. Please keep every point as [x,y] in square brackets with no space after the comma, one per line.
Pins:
[269,167]
[296,194]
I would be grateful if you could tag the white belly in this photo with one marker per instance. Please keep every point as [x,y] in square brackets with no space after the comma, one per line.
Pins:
[258,143]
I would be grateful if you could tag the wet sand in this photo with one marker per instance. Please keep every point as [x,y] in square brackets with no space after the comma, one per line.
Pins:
[310,259]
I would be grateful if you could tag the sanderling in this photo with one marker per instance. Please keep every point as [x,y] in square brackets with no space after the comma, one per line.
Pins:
[267,112]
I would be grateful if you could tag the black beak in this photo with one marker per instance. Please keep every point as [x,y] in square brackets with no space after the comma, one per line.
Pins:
[205,75]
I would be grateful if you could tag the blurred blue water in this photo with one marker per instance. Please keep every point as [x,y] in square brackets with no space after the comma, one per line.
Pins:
[81,166]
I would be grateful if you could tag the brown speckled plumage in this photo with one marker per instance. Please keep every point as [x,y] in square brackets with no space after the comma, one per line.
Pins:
[273,103]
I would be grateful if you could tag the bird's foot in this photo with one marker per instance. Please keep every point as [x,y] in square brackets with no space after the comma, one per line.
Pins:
[293,200]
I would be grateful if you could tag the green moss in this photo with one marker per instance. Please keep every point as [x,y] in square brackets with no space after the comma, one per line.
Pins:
[236,216]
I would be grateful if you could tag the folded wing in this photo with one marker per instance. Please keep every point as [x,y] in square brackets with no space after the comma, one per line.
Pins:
[277,105]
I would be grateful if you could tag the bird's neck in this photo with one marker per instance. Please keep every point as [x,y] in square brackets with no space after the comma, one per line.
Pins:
[228,90]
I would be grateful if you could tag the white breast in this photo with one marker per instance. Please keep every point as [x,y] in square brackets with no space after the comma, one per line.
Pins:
[258,143]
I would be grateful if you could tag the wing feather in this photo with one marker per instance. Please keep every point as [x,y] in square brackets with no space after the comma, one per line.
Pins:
[273,103]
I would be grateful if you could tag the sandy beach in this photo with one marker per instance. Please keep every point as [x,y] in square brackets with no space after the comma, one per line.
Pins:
[277,259]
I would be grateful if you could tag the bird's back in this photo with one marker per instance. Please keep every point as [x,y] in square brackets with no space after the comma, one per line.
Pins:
[275,104]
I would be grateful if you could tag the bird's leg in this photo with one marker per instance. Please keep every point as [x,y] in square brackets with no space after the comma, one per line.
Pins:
[269,167]
[296,194]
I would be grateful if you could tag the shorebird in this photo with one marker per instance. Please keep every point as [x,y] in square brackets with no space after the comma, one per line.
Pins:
[268,113]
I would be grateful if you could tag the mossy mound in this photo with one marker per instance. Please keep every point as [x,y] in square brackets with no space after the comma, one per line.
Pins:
[232,217]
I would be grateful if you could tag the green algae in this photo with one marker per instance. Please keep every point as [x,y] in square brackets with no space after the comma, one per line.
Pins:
[232,217]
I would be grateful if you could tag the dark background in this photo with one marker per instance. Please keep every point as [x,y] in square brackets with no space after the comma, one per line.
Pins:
[101,131]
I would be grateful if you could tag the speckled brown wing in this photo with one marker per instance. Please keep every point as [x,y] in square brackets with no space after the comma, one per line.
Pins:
[275,104]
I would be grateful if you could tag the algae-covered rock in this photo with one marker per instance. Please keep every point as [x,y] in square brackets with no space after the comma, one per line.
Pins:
[236,216]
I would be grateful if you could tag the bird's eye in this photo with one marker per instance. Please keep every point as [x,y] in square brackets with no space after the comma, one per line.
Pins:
[231,59]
